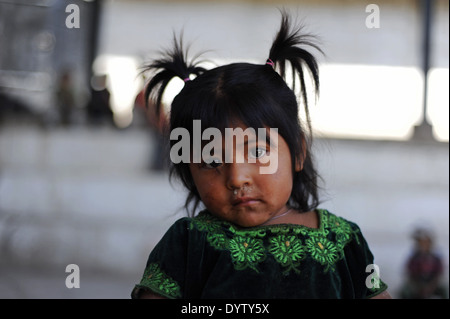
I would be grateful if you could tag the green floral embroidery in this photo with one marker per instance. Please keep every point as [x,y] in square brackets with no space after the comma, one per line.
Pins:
[288,251]
[323,251]
[155,279]
[341,228]
[252,233]
[289,244]
[281,229]
[218,241]
[211,226]
[246,252]
[206,223]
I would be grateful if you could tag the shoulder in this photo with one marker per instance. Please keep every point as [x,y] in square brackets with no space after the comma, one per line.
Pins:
[346,234]
[181,224]
[205,221]
[179,227]
[176,236]
[200,225]
[358,256]
[344,229]
[332,220]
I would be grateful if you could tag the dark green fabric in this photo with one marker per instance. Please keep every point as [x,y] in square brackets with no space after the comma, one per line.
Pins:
[204,257]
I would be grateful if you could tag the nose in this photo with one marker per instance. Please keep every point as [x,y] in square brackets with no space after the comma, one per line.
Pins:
[239,175]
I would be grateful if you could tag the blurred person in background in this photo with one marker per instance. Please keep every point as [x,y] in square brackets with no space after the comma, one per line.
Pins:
[65,98]
[157,122]
[98,108]
[424,269]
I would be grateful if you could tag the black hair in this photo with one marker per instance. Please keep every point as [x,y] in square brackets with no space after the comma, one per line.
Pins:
[256,94]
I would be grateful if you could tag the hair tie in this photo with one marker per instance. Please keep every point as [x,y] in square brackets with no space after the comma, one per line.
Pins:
[270,62]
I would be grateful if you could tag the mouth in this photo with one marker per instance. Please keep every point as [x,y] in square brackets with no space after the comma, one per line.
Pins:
[245,201]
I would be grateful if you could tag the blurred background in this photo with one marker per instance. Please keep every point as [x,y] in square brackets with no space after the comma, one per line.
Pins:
[80,179]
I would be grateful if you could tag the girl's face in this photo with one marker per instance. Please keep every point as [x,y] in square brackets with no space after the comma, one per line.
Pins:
[237,191]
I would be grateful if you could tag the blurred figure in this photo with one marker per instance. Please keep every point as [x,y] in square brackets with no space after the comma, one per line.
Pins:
[424,270]
[65,98]
[158,126]
[98,108]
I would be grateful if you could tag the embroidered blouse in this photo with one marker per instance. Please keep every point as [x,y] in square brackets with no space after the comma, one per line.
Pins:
[204,257]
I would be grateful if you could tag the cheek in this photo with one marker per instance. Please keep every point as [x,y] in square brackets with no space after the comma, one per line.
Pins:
[209,191]
[281,182]
[206,192]
[284,183]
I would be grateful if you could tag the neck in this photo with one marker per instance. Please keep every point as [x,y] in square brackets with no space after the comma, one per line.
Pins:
[278,216]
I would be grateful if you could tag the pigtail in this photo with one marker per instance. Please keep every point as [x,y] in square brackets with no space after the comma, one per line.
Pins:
[173,64]
[288,47]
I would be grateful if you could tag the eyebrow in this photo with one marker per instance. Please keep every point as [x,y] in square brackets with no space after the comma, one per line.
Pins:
[268,140]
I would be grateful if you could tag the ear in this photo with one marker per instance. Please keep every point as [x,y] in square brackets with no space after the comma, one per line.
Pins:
[299,164]
[299,161]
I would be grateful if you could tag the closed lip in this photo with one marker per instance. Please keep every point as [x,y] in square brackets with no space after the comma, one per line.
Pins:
[243,201]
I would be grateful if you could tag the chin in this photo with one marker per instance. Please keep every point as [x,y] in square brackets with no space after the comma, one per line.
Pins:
[242,218]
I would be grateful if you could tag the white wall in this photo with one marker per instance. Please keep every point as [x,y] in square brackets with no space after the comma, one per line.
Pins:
[372,80]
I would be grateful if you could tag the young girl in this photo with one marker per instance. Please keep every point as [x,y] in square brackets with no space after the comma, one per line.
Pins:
[259,233]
